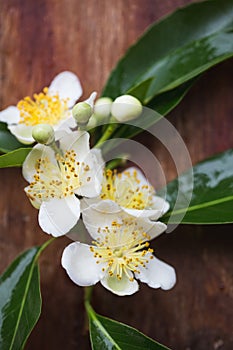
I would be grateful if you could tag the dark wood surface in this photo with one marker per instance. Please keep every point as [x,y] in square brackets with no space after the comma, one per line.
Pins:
[38,40]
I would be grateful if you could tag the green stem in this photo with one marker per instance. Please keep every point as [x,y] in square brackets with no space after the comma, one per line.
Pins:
[87,299]
[107,134]
[88,293]
[118,162]
[42,248]
[90,311]
[92,315]
[56,149]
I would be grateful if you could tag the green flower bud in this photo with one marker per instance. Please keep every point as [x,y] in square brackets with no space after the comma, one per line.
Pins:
[102,108]
[82,112]
[43,133]
[125,108]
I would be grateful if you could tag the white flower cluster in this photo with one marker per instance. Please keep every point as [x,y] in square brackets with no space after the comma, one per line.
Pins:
[54,106]
[68,181]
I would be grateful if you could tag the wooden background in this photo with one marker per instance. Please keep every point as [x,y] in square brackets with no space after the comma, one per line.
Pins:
[38,40]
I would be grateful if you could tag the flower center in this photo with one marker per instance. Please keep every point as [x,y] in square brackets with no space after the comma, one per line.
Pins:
[126,190]
[122,250]
[118,253]
[59,179]
[43,109]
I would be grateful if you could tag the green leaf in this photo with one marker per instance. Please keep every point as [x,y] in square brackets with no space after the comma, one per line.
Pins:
[167,60]
[212,196]
[8,142]
[107,334]
[14,158]
[20,302]
[167,101]
[175,50]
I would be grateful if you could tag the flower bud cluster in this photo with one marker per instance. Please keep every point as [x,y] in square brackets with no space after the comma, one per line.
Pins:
[124,108]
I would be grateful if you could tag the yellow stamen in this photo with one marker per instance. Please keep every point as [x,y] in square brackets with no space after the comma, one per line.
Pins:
[127,191]
[125,251]
[42,109]
[53,180]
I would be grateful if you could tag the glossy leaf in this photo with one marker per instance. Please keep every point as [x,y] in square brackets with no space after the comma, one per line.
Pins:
[14,158]
[167,101]
[8,142]
[153,69]
[212,197]
[20,302]
[107,334]
[175,50]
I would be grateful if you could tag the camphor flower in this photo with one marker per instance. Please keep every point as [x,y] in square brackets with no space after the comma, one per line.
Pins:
[56,177]
[120,252]
[51,106]
[132,192]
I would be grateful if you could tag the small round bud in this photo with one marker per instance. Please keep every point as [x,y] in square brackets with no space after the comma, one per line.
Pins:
[82,112]
[125,108]
[102,108]
[43,133]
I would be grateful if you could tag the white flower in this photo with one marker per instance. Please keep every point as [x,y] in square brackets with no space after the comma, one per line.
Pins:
[55,180]
[132,192]
[51,106]
[119,253]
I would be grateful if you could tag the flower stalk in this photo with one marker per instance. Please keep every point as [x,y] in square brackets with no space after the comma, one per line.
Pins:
[107,134]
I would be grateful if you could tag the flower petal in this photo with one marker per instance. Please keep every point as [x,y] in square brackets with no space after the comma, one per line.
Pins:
[22,132]
[140,176]
[67,85]
[120,287]
[101,207]
[144,213]
[77,141]
[153,229]
[88,202]
[64,125]
[93,177]
[157,274]
[10,115]
[80,264]
[103,213]
[161,205]
[36,202]
[99,215]
[38,152]
[58,216]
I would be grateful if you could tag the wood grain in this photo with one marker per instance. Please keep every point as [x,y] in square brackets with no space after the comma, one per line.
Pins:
[38,40]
